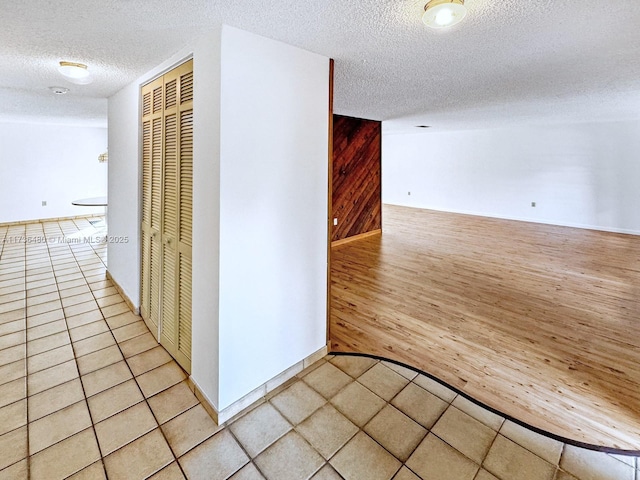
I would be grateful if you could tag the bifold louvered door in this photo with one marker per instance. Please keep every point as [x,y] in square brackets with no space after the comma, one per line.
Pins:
[152,152]
[167,199]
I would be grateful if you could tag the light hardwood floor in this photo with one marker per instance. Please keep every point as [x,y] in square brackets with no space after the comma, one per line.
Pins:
[541,323]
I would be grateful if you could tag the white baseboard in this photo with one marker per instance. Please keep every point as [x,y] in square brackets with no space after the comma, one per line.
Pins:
[525,219]
[224,415]
[48,220]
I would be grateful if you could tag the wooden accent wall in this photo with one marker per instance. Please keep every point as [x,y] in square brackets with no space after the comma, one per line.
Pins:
[356,176]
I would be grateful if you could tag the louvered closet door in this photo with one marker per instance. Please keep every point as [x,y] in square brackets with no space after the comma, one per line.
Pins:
[178,194]
[185,223]
[166,250]
[152,158]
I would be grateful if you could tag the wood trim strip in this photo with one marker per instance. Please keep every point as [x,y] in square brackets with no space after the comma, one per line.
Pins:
[361,236]
[330,199]
[204,401]
[258,395]
[559,438]
[126,298]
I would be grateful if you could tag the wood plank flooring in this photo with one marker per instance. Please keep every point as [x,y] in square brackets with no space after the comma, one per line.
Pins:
[541,323]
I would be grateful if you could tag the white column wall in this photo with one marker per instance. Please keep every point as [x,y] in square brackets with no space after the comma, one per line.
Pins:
[123,258]
[205,348]
[125,198]
[260,207]
[273,215]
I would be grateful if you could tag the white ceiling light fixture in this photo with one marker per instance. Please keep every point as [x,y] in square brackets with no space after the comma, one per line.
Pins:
[443,13]
[77,73]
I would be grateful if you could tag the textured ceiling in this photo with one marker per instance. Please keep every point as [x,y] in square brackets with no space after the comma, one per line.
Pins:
[509,61]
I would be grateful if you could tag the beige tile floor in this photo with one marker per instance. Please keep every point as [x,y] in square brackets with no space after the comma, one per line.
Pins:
[86,392]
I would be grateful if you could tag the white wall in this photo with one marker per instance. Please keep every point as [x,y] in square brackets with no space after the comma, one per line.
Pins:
[205,353]
[52,163]
[584,175]
[124,197]
[273,215]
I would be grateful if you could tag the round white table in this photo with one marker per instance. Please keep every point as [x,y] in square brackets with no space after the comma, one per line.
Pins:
[95,202]
[91,202]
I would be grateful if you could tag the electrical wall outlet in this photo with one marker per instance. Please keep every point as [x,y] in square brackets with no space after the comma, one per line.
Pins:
[335,222]
[533,204]
[44,203]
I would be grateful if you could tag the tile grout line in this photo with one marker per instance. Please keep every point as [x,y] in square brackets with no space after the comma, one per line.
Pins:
[84,392]
[328,402]
[75,358]
[482,464]
[26,346]
[251,459]
[70,343]
[144,397]
[26,362]
[26,343]
[294,427]
[360,429]
[429,430]
[387,403]
[497,432]
[29,456]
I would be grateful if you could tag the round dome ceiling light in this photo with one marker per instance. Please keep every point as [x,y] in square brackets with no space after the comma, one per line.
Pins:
[77,73]
[59,90]
[443,13]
